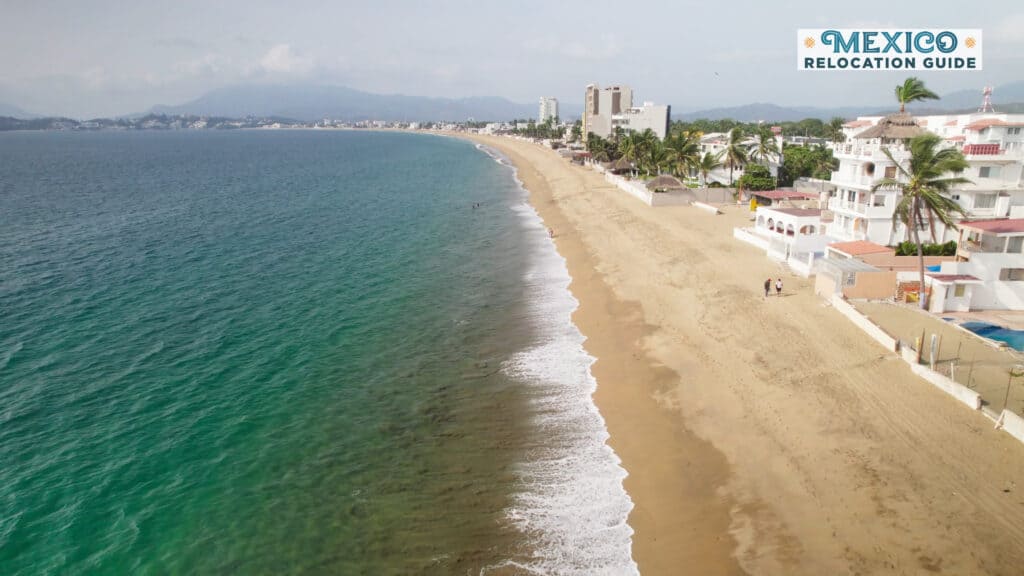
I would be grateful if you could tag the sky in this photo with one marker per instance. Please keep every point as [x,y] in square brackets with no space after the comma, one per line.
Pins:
[85,58]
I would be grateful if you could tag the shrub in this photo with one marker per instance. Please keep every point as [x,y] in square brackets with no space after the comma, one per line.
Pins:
[910,249]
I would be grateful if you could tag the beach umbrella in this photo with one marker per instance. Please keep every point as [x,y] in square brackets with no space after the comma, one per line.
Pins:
[665,182]
[621,165]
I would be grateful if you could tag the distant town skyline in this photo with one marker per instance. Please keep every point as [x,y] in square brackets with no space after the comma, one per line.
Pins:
[108,58]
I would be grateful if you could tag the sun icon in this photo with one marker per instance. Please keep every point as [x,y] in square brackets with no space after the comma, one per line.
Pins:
[809,42]
[970,42]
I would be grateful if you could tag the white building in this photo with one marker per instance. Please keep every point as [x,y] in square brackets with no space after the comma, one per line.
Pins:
[605,109]
[600,104]
[548,109]
[989,270]
[993,145]
[648,116]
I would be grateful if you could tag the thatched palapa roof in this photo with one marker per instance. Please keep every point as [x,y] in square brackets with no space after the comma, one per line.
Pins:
[665,182]
[901,126]
[621,165]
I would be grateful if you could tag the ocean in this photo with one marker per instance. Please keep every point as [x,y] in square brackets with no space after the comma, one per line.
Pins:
[267,352]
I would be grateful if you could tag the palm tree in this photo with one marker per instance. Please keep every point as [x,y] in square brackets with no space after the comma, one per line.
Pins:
[685,148]
[656,157]
[834,129]
[913,90]
[764,148]
[707,163]
[735,153]
[922,188]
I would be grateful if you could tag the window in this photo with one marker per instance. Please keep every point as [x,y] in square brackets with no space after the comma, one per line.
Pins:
[959,290]
[956,196]
[985,201]
[890,171]
[878,200]
[1012,274]
[988,172]
[1013,131]
[1015,244]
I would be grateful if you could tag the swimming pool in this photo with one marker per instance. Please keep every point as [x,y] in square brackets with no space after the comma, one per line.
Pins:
[1013,338]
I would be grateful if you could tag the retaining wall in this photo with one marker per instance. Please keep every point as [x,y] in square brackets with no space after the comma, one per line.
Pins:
[880,336]
[951,387]
[1012,424]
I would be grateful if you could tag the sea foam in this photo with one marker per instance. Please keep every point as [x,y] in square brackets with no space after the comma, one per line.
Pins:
[572,506]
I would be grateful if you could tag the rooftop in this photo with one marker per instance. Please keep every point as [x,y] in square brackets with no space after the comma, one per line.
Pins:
[998,226]
[982,124]
[798,212]
[859,248]
[954,278]
[783,195]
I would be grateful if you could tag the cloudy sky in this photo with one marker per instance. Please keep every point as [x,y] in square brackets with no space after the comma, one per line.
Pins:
[87,58]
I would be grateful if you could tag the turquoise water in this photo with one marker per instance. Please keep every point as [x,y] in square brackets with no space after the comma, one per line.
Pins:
[270,352]
[1014,338]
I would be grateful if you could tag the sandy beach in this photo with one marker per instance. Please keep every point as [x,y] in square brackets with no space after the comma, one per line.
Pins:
[764,436]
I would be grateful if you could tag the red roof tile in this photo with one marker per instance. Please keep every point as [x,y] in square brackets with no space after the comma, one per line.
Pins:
[953,278]
[982,124]
[859,247]
[998,226]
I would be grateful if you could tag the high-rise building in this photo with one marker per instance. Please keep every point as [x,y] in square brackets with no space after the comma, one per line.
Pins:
[548,109]
[601,104]
[608,108]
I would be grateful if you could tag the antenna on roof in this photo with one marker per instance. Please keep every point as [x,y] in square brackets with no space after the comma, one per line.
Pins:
[986,102]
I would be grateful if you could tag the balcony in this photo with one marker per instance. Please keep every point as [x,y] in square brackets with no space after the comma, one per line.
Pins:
[857,151]
[859,208]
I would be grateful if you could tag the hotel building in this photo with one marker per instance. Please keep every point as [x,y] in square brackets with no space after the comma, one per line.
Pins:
[548,109]
[612,107]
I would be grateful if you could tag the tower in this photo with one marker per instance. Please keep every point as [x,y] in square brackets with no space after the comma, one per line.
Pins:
[986,102]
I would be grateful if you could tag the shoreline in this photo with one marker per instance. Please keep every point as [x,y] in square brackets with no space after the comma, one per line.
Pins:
[762,435]
[665,514]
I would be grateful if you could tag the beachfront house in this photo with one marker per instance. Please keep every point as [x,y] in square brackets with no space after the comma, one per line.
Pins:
[870,271]
[793,235]
[988,273]
[993,145]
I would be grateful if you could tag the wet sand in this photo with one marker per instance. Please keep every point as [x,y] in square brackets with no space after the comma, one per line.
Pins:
[766,436]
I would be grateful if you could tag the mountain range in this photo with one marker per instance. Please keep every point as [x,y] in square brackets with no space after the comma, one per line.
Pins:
[960,101]
[316,102]
[13,111]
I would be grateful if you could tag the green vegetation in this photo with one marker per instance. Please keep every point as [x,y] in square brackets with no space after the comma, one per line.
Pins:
[756,177]
[910,249]
[805,162]
[706,164]
[548,130]
[922,188]
[811,127]
[735,155]
[913,90]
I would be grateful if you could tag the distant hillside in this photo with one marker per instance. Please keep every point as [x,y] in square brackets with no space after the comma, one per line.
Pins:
[315,102]
[1006,98]
[971,99]
[12,111]
[775,113]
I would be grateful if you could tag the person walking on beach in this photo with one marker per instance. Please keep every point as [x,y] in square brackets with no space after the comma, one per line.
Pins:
[767,287]
[778,287]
